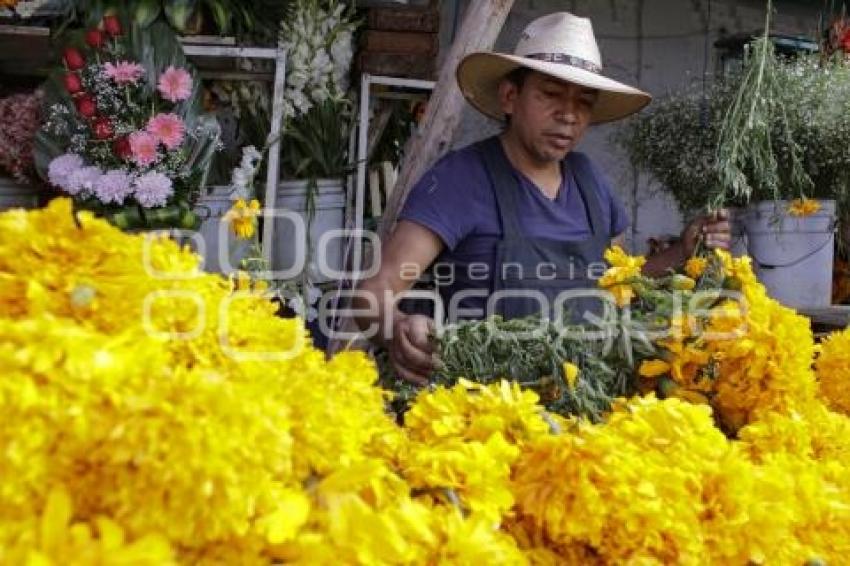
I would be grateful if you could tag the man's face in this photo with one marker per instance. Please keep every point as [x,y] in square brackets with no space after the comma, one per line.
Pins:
[547,115]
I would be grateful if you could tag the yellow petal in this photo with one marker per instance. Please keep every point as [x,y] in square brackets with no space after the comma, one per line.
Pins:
[54,522]
[110,533]
[653,368]
[283,524]
[571,372]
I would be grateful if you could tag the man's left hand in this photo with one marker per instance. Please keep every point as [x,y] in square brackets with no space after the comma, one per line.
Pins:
[713,230]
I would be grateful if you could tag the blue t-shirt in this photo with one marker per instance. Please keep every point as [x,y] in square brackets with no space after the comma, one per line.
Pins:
[455,200]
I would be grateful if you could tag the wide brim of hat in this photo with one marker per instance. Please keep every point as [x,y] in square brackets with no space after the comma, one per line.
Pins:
[479,75]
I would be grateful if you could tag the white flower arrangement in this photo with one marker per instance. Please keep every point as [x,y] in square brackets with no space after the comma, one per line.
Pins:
[317,35]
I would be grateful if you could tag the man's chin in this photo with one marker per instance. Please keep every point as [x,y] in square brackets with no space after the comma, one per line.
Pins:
[550,153]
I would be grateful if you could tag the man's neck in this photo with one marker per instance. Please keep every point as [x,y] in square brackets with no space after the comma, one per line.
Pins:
[545,174]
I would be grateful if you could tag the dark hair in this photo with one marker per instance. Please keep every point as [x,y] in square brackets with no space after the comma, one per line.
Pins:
[518,77]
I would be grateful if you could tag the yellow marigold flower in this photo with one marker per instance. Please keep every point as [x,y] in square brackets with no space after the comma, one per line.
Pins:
[60,538]
[243,218]
[291,513]
[472,411]
[695,266]
[833,371]
[571,372]
[624,269]
[617,257]
[739,268]
[631,457]
[803,207]
[623,294]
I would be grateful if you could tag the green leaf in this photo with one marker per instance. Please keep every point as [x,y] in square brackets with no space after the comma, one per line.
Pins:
[145,12]
[222,13]
[178,12]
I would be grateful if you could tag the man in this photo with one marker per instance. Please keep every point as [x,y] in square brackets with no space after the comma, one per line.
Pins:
[519,217]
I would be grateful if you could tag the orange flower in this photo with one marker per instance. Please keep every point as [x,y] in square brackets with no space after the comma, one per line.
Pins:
[803,207]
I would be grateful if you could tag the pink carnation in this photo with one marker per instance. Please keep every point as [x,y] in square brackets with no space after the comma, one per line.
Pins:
[175,84]
[143,148]
[124,72]
[168,129]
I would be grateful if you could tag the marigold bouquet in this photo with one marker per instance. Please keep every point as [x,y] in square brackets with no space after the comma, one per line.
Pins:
[122,134]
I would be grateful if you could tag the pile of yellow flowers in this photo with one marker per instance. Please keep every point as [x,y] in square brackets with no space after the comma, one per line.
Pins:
[156,414]
[746,355]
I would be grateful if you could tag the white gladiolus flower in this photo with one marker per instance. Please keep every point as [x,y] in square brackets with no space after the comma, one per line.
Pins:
[318,41]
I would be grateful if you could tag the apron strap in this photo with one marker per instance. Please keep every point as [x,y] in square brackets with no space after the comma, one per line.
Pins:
[588,188]
[505,185]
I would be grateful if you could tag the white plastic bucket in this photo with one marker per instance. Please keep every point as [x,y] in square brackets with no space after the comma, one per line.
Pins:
[738,229]
[17,195]
[211,208]
[793,255]
[329,214]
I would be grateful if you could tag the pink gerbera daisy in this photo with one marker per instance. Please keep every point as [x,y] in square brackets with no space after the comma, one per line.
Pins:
[143,148]
[175,84]
[124,72]
[169,129]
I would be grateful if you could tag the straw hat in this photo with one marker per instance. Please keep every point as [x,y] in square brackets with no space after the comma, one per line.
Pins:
[560,45]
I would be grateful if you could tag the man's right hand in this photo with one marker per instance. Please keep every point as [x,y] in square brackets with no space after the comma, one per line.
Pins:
[411,350]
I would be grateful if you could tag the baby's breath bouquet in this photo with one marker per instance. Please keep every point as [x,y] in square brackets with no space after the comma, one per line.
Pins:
[676,139]
[778,129]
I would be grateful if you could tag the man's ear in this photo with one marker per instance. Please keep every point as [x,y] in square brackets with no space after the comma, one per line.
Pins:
[508,93]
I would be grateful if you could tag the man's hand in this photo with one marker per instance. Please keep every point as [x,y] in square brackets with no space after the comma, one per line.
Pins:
[411,349]
[713,230]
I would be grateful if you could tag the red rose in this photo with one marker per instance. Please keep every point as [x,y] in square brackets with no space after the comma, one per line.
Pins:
[86,106]
[73,84]
[845,41]
[74,60]
[121,148]
[112,25]
[103,129]
[94,38]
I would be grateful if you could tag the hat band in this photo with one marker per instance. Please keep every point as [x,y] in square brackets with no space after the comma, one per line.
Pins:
[564,59]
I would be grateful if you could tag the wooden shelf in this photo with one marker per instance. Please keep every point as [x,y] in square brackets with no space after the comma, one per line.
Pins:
[24,50]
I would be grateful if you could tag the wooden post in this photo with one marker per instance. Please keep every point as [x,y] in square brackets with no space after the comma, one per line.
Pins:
[481,25]
[482,22]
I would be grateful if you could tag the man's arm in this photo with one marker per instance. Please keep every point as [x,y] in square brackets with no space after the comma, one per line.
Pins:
[714,231]
[408,252]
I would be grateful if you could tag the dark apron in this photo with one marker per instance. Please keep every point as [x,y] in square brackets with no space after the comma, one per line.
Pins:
[563,264]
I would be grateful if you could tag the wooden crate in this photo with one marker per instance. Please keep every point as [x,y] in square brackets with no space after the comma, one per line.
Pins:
[403,65]
[400,42]
[424,20]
